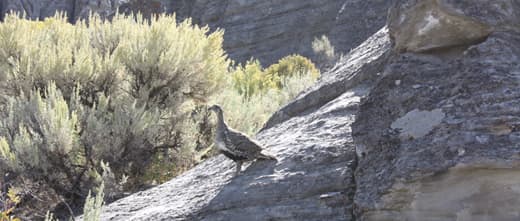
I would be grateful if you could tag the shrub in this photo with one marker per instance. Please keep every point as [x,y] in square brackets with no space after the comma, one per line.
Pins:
[93,205]
[324,51]
[91,209]
[250,115]
[291,66]
[251,79]
[49,217]
[8,201]
[76,96]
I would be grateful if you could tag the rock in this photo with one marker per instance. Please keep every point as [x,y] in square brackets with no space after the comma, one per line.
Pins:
[418,26]
[267,30]
[83,8]
[147,8]
[312,180]
[449,148]
[36,9]
[416,124]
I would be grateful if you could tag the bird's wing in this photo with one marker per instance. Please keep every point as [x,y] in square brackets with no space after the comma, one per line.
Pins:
[241,144]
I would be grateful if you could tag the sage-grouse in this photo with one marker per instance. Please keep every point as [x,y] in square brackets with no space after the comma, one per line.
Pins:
[234,144]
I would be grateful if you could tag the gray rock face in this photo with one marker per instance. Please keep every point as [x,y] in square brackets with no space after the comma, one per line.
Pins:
[477,93]
[36,9]
[313,178]
[440,131]
[270,30]
[74,9]
[262,29]
[83,8]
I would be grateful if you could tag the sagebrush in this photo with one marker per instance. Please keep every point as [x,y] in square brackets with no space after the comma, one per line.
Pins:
[326,56]
[251,79]
[75,96]
[120,103]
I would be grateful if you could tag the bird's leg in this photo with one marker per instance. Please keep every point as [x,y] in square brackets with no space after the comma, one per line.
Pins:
[239,167]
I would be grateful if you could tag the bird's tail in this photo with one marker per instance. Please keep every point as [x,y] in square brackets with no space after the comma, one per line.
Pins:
[263,156]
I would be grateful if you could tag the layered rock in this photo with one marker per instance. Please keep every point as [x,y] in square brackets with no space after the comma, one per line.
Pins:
[439,133]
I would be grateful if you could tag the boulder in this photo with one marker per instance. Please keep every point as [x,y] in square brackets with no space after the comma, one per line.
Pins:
[424,25]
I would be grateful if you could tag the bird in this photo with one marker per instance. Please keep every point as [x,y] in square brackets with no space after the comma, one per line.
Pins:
[236,145]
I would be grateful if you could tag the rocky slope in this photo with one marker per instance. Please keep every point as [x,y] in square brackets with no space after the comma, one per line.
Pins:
[264,29]
[420,122]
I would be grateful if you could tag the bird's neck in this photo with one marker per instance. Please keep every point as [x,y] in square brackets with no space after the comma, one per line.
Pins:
[221,124]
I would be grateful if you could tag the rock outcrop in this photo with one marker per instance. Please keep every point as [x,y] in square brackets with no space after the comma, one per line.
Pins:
[440,131]
[264,29]
[420,122]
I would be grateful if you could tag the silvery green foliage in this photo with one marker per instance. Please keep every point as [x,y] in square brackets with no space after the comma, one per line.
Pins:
[324,51]
[93,205]
[76,97]
[37,128]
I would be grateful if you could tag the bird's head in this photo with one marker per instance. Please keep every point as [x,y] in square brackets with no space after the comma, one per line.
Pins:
[217,109]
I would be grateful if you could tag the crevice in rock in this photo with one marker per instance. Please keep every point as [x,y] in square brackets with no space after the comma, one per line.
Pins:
[450,52]
[352,194]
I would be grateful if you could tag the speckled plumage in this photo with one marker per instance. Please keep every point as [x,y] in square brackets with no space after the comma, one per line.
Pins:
[234,144]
